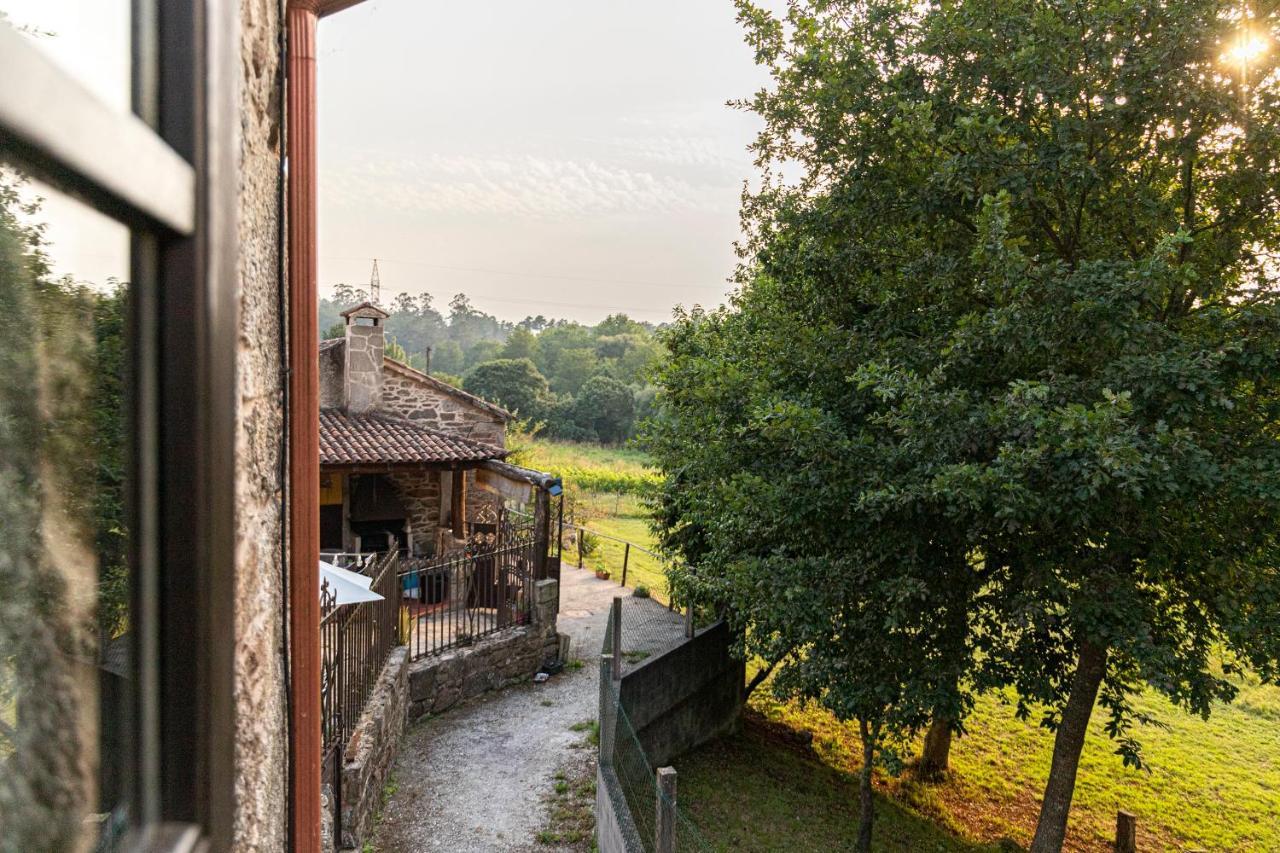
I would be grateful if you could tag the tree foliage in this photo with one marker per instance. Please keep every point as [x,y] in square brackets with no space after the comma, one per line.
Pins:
[997,402]
[513,383]
[567,354]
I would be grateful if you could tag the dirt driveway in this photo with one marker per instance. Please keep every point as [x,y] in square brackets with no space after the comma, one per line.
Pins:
[474,778]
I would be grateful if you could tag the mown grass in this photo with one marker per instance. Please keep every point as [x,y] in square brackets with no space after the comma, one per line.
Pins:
[757,792]
[1212,785]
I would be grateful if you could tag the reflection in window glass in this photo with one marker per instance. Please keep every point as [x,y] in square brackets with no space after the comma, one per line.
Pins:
[89,39]
[65,672]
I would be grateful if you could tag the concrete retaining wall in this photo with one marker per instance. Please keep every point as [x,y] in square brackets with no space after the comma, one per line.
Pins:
[613,822]
[686,696]
[675,702]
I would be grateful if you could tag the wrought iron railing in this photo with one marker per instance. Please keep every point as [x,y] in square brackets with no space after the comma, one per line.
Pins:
[452,602]
[355,640]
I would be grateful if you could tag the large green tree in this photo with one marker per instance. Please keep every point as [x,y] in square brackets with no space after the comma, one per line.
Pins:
[1012,314]
[513,383]
[607,407]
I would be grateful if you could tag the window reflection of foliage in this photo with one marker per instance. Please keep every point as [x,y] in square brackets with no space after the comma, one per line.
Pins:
[108,438]
[60,437]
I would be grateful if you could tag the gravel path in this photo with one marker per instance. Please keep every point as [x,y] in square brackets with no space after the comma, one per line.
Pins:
[474,778]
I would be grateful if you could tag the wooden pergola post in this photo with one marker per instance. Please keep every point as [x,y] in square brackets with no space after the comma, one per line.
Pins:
[458,503]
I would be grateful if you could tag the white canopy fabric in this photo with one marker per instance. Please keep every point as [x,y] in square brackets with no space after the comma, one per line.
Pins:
[347,587]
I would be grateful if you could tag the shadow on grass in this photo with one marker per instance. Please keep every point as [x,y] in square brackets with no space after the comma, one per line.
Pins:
[760,790]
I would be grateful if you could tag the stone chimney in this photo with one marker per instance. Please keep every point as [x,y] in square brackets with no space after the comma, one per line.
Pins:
[362,376]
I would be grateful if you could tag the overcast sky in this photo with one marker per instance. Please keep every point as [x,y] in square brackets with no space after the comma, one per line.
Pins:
[565,157]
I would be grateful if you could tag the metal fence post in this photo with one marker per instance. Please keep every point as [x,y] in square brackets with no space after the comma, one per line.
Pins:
[608,712]
[626,556]
[580,532]
[664,840]
[617,638]
[1126,832]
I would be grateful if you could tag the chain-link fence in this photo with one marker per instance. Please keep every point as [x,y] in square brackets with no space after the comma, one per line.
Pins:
[648,815]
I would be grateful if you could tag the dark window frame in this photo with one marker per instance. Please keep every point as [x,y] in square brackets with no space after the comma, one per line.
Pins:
[168,172]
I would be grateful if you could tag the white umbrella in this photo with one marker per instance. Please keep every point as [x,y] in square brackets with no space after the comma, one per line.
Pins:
[347,587]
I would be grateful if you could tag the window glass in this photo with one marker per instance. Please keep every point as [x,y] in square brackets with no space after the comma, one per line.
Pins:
[65,670]
[88,39]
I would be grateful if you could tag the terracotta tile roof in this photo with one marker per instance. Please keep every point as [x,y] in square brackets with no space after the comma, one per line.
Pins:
[376,439]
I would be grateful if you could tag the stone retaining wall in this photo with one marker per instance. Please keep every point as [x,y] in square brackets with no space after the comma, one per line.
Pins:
[372,748]
[441,681]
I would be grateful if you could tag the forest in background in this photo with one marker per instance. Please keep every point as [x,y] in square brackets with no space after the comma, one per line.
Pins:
[571,381]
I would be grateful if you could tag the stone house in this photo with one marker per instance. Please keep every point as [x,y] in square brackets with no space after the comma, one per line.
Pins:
[406,461]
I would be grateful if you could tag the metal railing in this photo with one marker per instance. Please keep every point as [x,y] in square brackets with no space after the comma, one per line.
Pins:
[355,640]
[452,602]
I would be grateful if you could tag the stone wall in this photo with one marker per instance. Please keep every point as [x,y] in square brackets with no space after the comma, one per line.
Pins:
[420,493]
[408,394]
[372,749]
[439,682]
[261,747]
[406,691]
[364,350]
[331,368]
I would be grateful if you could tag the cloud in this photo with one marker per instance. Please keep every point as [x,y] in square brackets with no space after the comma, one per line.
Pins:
[524,186]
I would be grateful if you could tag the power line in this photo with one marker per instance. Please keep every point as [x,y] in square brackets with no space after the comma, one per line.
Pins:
[514,274]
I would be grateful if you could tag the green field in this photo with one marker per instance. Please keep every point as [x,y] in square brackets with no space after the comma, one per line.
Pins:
[1212,785]
[616,514]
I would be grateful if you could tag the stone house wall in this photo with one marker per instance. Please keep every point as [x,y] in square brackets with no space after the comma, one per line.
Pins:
[261,749]
[420,493]
[331,368]
[416,397]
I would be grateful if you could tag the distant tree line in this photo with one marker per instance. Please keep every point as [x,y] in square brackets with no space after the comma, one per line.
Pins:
[579,382]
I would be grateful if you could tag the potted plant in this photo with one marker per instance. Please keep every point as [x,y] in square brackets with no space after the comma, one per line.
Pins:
[601,572]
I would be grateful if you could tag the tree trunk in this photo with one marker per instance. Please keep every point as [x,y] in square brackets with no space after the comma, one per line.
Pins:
[866,805]
[935,757]
[1051,830]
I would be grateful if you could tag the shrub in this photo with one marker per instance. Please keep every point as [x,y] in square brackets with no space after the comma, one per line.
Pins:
[590,543]
[641,591]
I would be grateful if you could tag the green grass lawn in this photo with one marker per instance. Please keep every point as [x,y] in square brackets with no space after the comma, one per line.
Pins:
[551,455]
[1212,785]
[755,791]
